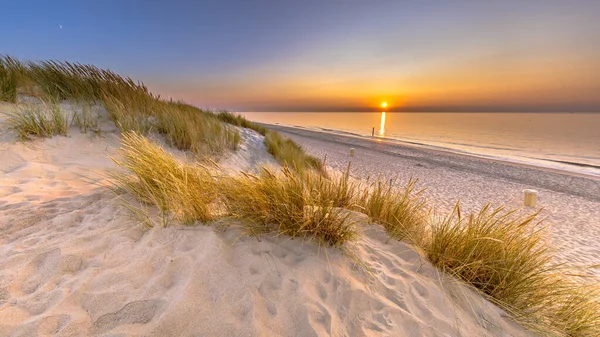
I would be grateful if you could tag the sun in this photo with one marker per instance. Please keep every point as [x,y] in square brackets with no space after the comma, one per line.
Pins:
[384,104]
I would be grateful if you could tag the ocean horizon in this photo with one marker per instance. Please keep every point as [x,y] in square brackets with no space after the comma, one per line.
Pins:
[563,141]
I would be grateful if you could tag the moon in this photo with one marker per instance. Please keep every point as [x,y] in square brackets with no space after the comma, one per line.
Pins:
[60,26]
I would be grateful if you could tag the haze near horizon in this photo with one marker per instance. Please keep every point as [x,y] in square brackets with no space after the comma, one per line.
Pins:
[330,56]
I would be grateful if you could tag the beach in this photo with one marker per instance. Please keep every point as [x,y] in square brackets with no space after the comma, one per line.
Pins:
[569,202]
[74,262]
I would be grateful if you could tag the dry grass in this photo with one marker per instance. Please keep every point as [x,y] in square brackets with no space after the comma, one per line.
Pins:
[40,120]
[10,74]
[181,192]
[86,119]
[401,211]
[284,150]
[240,121]
[189,128]
[508,259]
[131,105]
[284,204]
[287,152]
[73,81]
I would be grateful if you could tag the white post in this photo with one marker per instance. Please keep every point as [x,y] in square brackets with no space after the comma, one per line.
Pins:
[351,152]
[530,197]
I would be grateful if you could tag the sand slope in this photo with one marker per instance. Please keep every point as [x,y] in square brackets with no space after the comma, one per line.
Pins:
[73,264]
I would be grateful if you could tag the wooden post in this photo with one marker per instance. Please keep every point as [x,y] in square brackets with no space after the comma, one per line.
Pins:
[373,132]
[530,197]
[351,152]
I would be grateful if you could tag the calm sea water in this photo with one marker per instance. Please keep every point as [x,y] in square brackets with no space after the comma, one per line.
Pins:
[562,141]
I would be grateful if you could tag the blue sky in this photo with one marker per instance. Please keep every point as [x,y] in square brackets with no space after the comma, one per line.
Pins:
[329,55]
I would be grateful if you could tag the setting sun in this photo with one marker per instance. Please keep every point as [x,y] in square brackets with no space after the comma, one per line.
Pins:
[384,104]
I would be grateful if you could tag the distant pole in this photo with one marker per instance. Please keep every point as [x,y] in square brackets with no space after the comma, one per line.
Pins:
[351,152]
[530,197]
[373,132]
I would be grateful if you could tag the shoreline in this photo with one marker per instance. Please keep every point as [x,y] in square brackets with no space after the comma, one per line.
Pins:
[557,180]
[568,205]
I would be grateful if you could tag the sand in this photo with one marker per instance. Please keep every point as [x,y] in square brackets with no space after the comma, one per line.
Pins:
[569,203]
[73,263]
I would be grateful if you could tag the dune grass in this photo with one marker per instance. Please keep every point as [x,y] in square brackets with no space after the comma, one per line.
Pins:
[29,120]
[10,73]
[85,118]
[507,257]
[133,107]
[287,152]
[74,81]
[189,128]
[182,192]
[130,104]
[285,203]
[240,121]
[401,211]
[284,150]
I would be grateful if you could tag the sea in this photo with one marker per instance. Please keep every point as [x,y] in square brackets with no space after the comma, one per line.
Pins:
[562,141]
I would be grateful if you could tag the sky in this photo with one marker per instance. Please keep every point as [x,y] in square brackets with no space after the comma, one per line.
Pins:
[329,55]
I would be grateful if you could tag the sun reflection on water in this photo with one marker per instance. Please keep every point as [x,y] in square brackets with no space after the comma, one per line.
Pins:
[382,125]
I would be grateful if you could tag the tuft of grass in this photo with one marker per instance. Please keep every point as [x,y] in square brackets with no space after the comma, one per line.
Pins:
[10,74]
[241,121]
[502,255]
[286,204]
[507,258]
[85,119]
[131,113]
[40,120]
[401,211]
[339,189]
[64,80]
[189,128]
[577,309]
[287,152]
[181,192]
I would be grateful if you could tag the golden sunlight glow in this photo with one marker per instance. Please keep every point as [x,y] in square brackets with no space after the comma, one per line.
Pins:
[384,105]
[382,125]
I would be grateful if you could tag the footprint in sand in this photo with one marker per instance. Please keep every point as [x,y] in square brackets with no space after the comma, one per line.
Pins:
[138,312]
[38,271]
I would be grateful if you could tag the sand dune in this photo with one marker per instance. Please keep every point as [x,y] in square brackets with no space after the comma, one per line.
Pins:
[72,263]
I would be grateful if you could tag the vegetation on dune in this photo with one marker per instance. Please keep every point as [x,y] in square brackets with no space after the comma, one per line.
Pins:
[289,153]
[153,176]
[401,211]
[189,128]
[286,151]
[133,107]
[39,120]
[10,71]
[287,204]
[240,121]
[508,259]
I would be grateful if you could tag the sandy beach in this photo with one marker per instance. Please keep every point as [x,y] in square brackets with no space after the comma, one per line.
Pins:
[74,263]
[569,202]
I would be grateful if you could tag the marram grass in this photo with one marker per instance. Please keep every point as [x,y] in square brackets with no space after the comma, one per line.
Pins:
[29,120]
[289,153]
[285,203]
[507,258]
[401,211]
[183,192]
[133,107]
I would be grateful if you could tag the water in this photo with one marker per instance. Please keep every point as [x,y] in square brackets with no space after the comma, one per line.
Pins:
[561,141]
